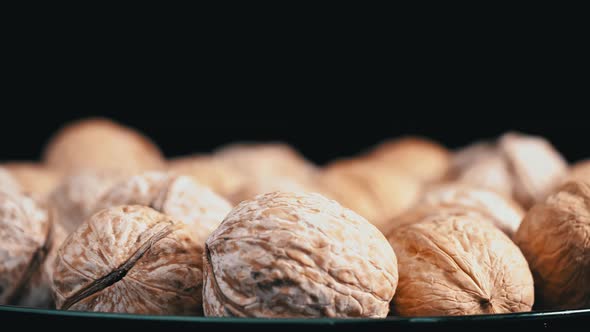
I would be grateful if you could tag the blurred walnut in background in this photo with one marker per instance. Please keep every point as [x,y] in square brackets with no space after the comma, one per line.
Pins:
[580,171]
[100,144]
[8,183]
[34,177]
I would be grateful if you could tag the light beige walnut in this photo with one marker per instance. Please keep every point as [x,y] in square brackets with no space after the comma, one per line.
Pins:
[297,255]
[8,182]
[502,211]
[373,190]
[257,186]
[129,259]
[580,171]
[555,238]
[177,196]
[211,172]
[423,159]
[458,265]
[101,144]
[489,172]
[75,198]
[34,177]
[29,239]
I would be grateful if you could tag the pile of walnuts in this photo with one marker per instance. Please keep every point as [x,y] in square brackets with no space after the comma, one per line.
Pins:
[105,223]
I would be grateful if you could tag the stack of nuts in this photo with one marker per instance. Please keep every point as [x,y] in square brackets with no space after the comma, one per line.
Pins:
[105,223]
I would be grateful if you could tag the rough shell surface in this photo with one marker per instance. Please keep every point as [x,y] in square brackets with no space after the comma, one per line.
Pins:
[505,213]
[129,259]
[211,172]
[375,191]
[27,233]
[297,255]
[75,198]
[101,144]
[536,166]
[33,177]
[455,265]
[555,238]
[423,159]
[177,196]
[8,183]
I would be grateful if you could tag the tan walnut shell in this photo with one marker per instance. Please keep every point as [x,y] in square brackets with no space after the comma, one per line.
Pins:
[101,144]
[29,239]
[75,198]
[457,265]
[129,259]
[177,196]
[555,238]
[580,171]
[34,177]
[505,213]
[8,183]
[297,255]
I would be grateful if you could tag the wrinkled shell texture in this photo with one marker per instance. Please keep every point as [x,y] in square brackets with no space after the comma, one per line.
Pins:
[214,173]
[8,183]
[75,198]
[423,159]
[101,144]
[555,238]
[33,177]
[374,191]
[26,233]
[297,255]
[505,213]
[129,259]
[536,166]
[179,197]
[455,265]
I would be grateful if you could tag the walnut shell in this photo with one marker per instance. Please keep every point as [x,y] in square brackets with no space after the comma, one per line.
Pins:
[297,255]
[177,196]
[75,198]
[257,186]
[458,265]
[580,171]
[8,183]
[129,259]
[505,213]
[29,238]
[211,172]
[489,172]
[423,159]
[536,166]
[375,191]
[100,144]
[555,238]
[33,177]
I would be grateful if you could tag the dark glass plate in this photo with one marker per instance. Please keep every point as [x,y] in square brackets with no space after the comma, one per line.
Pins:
[538,320]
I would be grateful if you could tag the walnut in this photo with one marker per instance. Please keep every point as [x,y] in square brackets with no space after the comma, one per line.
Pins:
[75,198]
[8,183]
[129,259]
[503,212]
[93,144]
[33,177]
[212,172]
[526,167]
[423,159]
[555,238]
[458,265]
[257,186]
[179,197]
[580,171]
[297,255]
[375,191]
[29,241]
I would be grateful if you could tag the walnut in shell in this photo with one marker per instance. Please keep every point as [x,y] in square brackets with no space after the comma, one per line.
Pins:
[8,183]
[580,171]
[75,198]
[29,240]
[101,144]
[129,259]
[177,196]
[33,177]
[457,265]
[504,212]
[423,159]
[257,186]
[297,255]
[555,238]
[373,190]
